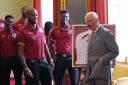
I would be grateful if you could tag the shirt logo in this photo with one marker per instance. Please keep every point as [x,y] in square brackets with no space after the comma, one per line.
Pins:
[70,31]
[40,30]
[14,35]
[1,25]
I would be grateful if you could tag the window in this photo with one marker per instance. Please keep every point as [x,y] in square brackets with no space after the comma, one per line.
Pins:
[118,14]
[47,10]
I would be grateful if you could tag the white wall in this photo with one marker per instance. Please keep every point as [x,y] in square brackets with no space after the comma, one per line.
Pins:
[13,7]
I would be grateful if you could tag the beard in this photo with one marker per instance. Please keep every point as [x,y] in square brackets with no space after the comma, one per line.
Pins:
[33,21]
[64,24]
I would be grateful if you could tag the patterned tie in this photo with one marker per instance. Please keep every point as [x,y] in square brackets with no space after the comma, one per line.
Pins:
[90,40]
[92,35]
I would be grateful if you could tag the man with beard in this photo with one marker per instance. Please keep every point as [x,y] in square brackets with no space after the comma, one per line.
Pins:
[33,51]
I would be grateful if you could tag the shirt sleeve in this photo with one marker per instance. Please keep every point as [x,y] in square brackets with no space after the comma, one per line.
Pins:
[21,38]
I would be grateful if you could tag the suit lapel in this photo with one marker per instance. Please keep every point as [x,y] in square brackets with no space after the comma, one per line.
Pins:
[92,39]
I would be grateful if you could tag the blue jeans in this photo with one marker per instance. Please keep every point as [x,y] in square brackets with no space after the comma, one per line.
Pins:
[8,64]
[61,65]
[41,72]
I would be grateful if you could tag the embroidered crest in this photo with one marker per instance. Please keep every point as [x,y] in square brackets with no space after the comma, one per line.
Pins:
[40,30]
[14,35]
[70,31]
[1,25]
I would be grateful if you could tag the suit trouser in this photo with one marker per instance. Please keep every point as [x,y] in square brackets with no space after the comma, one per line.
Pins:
[8,64]
[95,81]
[98,82]
[61,65]
[41,72]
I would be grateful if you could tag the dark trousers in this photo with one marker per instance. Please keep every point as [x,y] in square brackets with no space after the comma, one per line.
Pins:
[61,65]
[95,81]
[8,64]
[98,82]
[42,74]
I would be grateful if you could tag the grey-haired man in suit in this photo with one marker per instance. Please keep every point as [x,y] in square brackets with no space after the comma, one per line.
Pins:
[102,48]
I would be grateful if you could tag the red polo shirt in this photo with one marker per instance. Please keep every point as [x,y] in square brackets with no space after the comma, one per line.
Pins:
[19,25]
[8,43]
[63,39]
[47,37]
[33,41]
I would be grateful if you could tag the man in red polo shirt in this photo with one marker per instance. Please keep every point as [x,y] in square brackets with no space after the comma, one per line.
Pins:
[61,38]
[20,24]
[48,26]
[33,51]
[8,53]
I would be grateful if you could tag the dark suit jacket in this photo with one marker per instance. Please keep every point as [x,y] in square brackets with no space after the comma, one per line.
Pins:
[103,47]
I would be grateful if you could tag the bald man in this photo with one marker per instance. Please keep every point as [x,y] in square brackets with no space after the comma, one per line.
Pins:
[20,24]
[33,50]
[102,48]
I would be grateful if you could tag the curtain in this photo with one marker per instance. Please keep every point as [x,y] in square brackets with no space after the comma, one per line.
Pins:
[37,6]
[100,7]
[63,4]
[56,12]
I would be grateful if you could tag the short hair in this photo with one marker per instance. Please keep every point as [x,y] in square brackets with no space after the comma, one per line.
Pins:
[64,11]
[48,25]
[93,14]
[8,16]
[24,7]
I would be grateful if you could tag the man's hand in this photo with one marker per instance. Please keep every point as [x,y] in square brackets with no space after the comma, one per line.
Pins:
[51,64]
[28,73]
